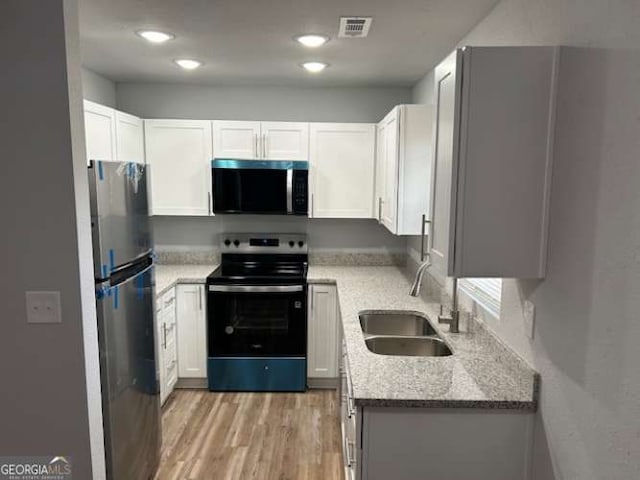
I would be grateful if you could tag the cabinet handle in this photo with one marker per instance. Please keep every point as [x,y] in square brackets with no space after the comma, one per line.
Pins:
[264,145]
[255,145]
[311,215]
[350,447]
[200,298]
[311,299]
[210,206]
[164,332]
[423,228]
[379,209]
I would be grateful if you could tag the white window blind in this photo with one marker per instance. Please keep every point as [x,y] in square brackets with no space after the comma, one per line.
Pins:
[485,291]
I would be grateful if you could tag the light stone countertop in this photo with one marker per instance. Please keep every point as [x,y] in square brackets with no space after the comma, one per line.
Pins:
[168,276]
[481,373]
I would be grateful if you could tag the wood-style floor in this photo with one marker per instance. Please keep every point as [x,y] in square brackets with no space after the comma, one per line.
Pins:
[262,436]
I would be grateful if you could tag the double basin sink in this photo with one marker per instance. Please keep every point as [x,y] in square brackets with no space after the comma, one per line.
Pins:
[401,333]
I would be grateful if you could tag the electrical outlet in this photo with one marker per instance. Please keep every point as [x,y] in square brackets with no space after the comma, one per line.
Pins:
[529,318]
[43,307]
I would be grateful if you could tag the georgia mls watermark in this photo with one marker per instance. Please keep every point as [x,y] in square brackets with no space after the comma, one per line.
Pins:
[35,468]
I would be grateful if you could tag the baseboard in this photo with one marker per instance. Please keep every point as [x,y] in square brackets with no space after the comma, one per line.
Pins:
[192,383]
[323,383]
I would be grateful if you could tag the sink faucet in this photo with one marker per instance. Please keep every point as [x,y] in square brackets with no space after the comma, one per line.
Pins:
[453,319]
[417,281]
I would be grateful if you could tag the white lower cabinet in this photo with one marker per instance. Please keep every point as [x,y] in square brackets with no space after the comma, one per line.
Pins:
[322,331]
[405,443]
[192,331]
[166,344]
[350,423]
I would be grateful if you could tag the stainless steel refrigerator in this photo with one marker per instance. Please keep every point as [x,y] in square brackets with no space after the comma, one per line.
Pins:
[124,281]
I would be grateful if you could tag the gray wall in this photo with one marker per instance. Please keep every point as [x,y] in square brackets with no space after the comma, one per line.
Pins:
[587,329]
[265,103]
[316,104]
[46,230]
[97,88]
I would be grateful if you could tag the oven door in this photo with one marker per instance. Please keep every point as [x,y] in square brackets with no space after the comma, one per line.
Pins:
[257,320]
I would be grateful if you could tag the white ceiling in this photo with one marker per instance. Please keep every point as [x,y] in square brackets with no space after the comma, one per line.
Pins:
[250,41]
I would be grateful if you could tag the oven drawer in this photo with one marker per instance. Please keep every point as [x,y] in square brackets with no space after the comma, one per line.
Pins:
[259,374]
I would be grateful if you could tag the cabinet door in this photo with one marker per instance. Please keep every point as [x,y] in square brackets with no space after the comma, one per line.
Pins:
[100,132]
[129,138]
[179,154]
[342,170]
[445,148]
[322,342]
[390,171]
[170,353]
[192,339]
[284,141]
[166,348]
[159,317]
[379,171]
[232,139]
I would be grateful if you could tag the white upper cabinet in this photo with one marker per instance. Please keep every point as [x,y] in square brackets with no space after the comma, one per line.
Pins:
[285,140]
[179,154]
[234,139]
[492,154]
[403,168]
[261,140]
[129,138]
[342,158]
[100,132]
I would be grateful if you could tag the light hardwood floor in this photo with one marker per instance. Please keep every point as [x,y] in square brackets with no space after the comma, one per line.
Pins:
[262,436]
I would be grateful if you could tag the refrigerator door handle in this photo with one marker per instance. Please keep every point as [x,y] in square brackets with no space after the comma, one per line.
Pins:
[132,277]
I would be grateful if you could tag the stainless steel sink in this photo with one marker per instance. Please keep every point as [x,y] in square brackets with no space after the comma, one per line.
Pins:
[410,346]
[391,323]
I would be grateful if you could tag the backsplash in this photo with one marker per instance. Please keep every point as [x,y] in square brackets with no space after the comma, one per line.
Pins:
[195,240]
[354,258]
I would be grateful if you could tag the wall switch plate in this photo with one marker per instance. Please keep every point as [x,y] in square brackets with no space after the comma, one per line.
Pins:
[529,318]
[43,307]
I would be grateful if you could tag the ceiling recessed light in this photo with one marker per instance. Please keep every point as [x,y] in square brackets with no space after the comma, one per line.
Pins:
[155,36]
[188,63]
[314,67]
[312,40]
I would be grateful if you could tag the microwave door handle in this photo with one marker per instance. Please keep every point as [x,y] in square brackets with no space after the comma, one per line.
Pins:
[289,191]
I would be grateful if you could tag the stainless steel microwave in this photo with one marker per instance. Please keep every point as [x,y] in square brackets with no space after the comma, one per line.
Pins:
[268,187]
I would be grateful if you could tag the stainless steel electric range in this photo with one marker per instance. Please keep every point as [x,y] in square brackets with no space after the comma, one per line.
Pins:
[257,314]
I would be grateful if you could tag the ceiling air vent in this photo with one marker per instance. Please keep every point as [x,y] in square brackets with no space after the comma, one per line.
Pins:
[354,27]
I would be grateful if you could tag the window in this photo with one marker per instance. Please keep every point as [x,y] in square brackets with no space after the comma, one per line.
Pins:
[484,291]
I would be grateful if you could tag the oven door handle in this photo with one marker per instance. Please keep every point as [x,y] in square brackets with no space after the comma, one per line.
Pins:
[256,288]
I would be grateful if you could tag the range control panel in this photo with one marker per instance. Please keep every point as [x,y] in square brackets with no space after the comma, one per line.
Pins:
[263,243]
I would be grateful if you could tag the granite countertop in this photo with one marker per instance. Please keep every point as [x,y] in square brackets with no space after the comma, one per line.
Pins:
[168,276]
[481,373]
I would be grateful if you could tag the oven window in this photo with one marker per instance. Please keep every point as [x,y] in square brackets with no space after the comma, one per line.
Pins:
[264,316]
[257,324]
